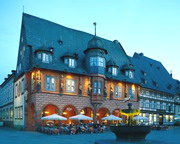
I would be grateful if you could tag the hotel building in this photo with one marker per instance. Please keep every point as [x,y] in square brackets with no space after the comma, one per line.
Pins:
[68,72]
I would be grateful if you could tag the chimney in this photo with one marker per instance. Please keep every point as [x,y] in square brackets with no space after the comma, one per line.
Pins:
[171,73]
[141,54]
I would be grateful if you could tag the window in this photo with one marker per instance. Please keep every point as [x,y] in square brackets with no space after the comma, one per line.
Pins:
[146,103]
[97,61]
[114,71]
[50,83]
[18,112]
[39,55]
[22,86]
[66,61]
[70,85]
[71,62]
[152,104]
[97,87]
[131,93]
[143,73]
[158,105]
[45,57]
[131,74]
[19,68]
[118,91]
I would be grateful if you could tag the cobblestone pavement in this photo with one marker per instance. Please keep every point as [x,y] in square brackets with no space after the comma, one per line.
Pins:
[13,136]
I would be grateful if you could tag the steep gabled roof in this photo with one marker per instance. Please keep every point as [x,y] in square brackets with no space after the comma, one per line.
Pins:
[39,32]
[152,74]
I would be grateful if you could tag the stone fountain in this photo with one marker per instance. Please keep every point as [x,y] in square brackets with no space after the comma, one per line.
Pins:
[130,132]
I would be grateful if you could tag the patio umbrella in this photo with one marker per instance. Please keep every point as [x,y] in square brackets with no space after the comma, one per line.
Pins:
[111,117]
[53,117]
[80,117]
[140,118]
[177,118]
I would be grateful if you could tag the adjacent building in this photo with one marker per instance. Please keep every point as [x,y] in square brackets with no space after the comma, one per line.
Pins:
[6,100]
[158,90]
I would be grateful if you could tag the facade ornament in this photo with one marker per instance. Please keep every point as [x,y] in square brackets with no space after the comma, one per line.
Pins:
[111,92]
[105,90]
[61,83]
[89,89]
[38,79]
[80,86]
[33,81]
[126,91]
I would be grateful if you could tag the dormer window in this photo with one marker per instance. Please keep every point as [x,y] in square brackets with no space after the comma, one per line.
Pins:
[143,73]
[113,70]
[128,70]
[71,62]
[155,83]
[97,61]
[44,57]
[143,81]
[70,59]
[129,73]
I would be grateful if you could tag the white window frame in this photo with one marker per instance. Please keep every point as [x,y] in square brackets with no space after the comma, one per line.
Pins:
[118,91]
[97,87]
[114,71]
[70,85]
[50,83]
[72,62]
[97,61]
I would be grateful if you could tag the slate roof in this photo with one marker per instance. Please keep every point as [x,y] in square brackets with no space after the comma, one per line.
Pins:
[153,72]
[39,32]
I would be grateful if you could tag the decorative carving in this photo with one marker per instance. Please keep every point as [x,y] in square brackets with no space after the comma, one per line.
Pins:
[33,81]
[61,83]
[80,86]
[89,89]
[126,91]
[111,92]
[38,79]
[105,90]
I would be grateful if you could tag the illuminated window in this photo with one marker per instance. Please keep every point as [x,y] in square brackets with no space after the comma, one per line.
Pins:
[131,93]
[97,61]
[71,62]
[50,83]
[70,85]
[113,70]
[44,57]
[97,87]
[118,91]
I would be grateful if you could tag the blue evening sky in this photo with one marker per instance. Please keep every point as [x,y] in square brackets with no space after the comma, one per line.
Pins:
[148,26]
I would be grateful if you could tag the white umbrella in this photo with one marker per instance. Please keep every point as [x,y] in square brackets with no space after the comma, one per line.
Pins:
[80,117]
[140,118]
[177,118]
[111,117]
[53,117]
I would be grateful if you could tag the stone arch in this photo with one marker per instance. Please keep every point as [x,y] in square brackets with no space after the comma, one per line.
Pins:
[102,112]
[49,109]
[68,111]
[88,111]
[116,112]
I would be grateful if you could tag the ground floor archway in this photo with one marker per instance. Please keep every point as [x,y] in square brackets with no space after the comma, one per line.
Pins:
[88,111]
[49,110]
[102,112]
[68,111]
